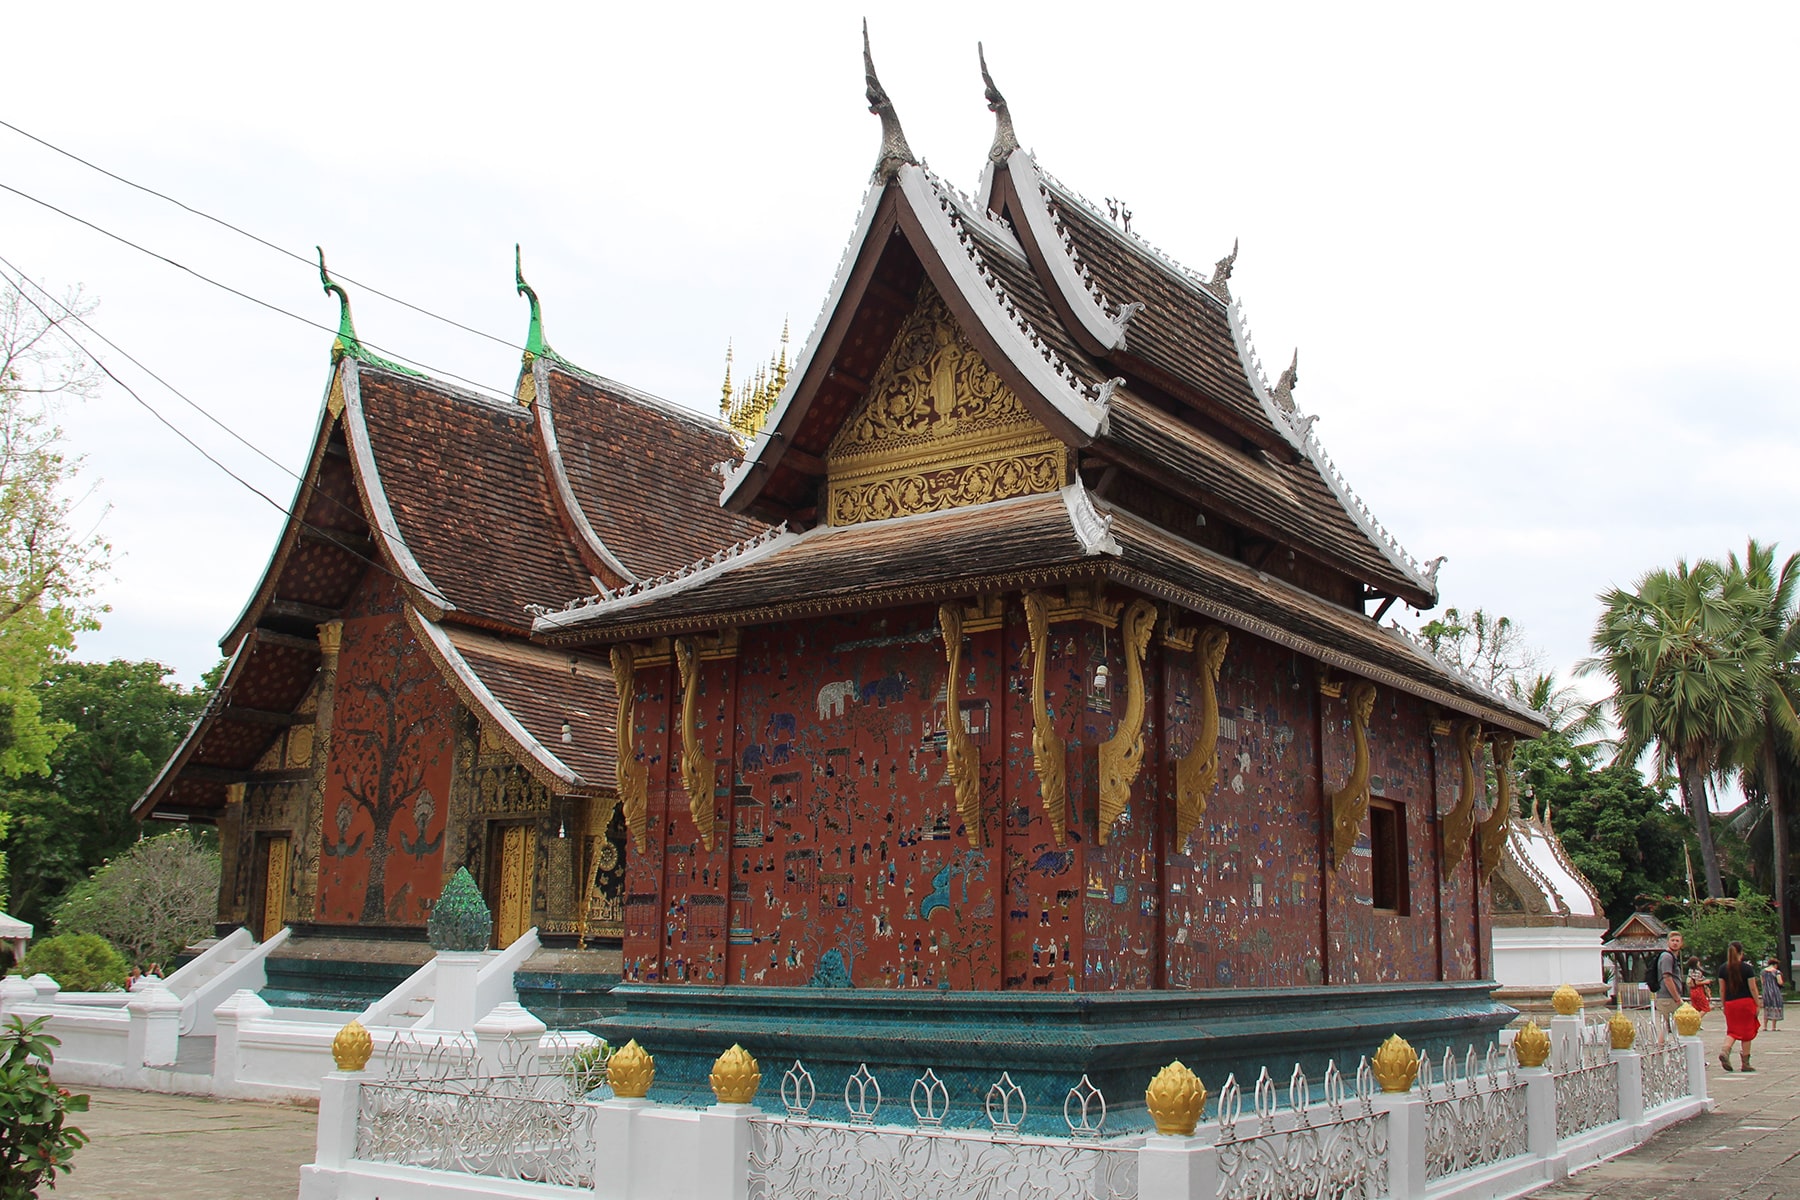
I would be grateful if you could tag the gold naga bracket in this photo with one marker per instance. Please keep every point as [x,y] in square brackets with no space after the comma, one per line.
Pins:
[1496,826]
[1197,771]
[633,776]
[1328,686]
[696,765]
[959,747]
[1350,803]
[1459,823]
[1049,752]
[1122,755]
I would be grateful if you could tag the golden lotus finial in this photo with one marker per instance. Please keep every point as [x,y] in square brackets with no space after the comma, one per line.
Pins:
[1396,1064]
[1532,1045]
[1687,1020]
[1566,1000]
[352,1046]
[1622,1030]
[735,1076]
[630,1072]
[1175,1098]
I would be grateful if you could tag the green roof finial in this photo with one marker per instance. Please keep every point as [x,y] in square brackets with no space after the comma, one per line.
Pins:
[346,342]
[535,345]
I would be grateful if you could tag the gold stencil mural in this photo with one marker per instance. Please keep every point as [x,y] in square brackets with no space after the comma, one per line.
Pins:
[936,430]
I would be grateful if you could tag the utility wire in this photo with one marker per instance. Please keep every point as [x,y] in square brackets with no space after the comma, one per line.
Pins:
[242,295]
[261,241]
[177,431]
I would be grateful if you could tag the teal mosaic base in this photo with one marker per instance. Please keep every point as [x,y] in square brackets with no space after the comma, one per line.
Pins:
[1046,1042]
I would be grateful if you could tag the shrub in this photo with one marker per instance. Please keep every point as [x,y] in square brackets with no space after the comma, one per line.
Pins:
[80,962]
[587,1067]
[149,901]
[35,1143]
[1714,925]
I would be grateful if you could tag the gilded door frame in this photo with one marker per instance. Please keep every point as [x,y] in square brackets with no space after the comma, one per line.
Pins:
[512,859]
[272,883]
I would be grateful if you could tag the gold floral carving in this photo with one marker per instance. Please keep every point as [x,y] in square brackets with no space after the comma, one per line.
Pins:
[1174,1099]
[1459,823]
[1197,771]
[696,764]
[936,429]
[1350,803]
[633,776]
[1048,750]
[1498,823]
[1122,754]
[965,762]
[1532,1045]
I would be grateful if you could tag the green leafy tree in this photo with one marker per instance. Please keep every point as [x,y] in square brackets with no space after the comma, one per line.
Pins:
[1687,679]
[123,721]
[1489,647]
[80,962]
[150,901]
[1712,926]
[36,1141]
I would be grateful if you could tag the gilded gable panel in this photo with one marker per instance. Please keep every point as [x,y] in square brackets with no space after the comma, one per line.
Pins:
[936,430]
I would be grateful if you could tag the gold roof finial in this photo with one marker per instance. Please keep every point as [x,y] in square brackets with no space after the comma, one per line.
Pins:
[725,391]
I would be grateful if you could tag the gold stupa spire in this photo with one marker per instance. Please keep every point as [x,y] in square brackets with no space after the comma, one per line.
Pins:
[746,406]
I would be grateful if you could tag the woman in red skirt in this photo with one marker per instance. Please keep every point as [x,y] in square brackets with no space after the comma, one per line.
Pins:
[1738,990]
[1698,994]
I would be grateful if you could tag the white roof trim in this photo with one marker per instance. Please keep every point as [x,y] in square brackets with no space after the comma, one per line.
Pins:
[679,580]
[356,432]
[496,711]
[1042,368]
[559,478]
[734,478]
[1082,294]
[1093,529]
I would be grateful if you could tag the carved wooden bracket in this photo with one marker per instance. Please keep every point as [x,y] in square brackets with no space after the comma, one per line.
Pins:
[1497,825]
[1350,803]
[959,747]
[1197,771]
[1459,823]
[633,776]
[1122,755]
[696,764]
[1049,759]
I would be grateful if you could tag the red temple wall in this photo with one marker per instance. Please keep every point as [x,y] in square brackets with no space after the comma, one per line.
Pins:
[388,779]
[839,851]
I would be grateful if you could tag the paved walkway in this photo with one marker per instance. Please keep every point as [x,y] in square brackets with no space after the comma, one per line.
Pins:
[1749,1149]
[147,1144]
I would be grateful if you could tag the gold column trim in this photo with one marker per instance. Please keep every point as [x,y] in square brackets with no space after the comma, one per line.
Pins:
[1497,824]
[331,637]
[1350,803]
[1459,823]
[1049,752]
[1197,771]
[696,765]
[1122,755]
[959,747]
[633,776]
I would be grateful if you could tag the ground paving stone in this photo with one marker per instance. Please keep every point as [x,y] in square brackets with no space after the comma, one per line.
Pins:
[146,1144]
[1748,1149]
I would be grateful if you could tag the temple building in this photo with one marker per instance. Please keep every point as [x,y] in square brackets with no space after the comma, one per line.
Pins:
[384,718]
[1059,671]
[1548,920]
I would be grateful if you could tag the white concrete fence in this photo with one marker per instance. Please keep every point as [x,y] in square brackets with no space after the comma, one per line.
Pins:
[505,1114]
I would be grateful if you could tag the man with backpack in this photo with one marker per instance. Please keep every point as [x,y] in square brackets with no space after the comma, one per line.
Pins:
[1665,981]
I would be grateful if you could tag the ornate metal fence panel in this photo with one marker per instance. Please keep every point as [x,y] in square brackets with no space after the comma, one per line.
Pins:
[1333,1151]
[1475,1120]
[517,1114]
[805,1159]
[1665,1074]
[1587,1088]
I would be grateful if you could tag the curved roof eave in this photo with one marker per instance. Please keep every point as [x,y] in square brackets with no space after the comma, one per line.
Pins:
[1079,295]
[559,478]
[536,758]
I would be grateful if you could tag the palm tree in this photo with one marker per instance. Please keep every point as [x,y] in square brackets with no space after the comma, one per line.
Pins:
[1774,622]
[1686,675]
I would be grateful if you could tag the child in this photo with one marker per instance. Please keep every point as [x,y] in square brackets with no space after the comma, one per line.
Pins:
[1773,1002]
[1698,994]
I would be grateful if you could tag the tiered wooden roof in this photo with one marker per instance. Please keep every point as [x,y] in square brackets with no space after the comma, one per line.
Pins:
[483,511]
[1194,479]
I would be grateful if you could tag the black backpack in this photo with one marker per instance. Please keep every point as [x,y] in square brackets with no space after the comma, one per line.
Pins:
[1653,977]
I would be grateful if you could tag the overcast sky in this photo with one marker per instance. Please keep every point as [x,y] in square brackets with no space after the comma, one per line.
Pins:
[1538,260]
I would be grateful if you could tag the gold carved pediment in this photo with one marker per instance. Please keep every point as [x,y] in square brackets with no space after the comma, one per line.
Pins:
[935,430]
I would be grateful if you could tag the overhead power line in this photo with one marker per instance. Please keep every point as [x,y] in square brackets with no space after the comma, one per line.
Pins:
[243,295]
[259,240]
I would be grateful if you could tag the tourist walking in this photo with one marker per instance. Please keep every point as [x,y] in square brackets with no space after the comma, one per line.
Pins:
[1668,978]
[1699,995]
[1739,992]
[1773,1004]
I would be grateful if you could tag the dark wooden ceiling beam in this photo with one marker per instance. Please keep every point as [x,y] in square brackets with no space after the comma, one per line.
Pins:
[361,546]
[263,716]
[317,614]
[270,637]
[201,773]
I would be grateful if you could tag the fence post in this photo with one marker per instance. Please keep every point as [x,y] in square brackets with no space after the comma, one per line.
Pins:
[1540,1111]
[508,1022]
[243,1007]
[1406,1141]
[14,990]
[613,1146]
[47,988]
[1696,1068]
[1631,1086]
[723,1170]
[1565,1037]
[155,1031]
[1177,1168]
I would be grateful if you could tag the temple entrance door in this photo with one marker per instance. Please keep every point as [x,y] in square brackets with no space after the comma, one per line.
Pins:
[514,849]
[275,885]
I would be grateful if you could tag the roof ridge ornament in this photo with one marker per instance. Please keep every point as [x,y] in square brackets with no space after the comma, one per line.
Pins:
[535,345]
[346,344]
[1005,141]
[1218,284]
[895,153]
[1284,386]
